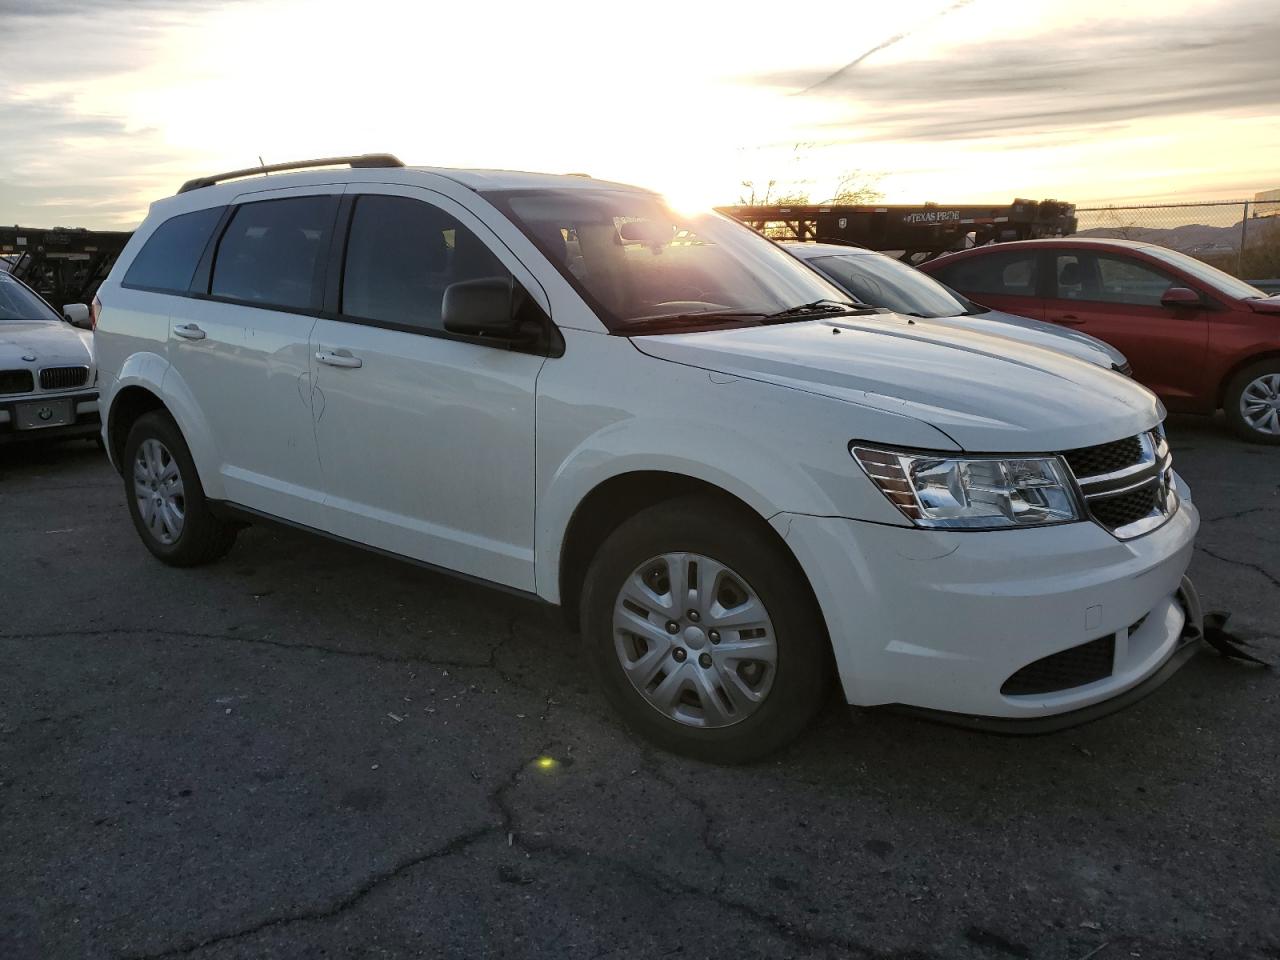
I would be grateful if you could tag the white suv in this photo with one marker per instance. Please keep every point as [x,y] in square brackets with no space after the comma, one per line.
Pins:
[731,479]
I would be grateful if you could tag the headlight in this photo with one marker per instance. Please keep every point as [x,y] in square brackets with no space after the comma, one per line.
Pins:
[972,492]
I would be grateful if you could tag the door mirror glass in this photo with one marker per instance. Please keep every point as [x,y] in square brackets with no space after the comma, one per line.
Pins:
[77,314]
[1180,297]
[485,307]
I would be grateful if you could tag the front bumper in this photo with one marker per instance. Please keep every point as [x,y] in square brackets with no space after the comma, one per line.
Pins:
[87,422]
[940,620]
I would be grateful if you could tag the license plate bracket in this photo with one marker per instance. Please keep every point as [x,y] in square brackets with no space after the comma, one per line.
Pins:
[40,414]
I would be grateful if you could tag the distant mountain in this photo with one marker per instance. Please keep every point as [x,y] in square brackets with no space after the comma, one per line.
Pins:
[1193,238]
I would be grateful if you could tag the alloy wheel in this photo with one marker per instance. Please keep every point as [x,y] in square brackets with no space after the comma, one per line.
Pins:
[1260,404]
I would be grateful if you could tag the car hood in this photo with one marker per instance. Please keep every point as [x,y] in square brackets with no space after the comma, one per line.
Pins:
[52,343]
[986,393]
[1038,334]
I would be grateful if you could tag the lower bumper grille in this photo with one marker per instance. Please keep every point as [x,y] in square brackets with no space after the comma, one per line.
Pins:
[1061,671]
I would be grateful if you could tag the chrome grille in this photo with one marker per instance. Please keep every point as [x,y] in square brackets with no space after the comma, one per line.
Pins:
[1127,484]
[16,381]
[63,378]
[1105,457]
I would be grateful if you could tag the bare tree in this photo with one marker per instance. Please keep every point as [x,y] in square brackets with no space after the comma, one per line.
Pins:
[854,187]
[1122,228]
[858,187]
[753,194]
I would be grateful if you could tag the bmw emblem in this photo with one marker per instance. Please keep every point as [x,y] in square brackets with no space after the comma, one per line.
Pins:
[29,357]
[45,413]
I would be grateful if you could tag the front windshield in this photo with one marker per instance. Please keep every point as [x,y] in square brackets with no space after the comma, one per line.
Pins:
[1223,282]
[884,282]
[19,303]
[637,262]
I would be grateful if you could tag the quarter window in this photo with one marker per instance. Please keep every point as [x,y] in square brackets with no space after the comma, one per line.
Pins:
[167,261]
[1011,274]
[274,251]
[401,255]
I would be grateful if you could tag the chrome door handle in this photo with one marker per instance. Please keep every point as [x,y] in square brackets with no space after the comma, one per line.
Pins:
[189,331]
[1069,318]
[338,358]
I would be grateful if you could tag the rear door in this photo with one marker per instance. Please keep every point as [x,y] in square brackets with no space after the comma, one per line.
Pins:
[242,347]
[1004,280]
[1116,298]
[426,439]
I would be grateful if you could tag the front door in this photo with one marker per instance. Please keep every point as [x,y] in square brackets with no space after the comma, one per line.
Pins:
[425,438]
[1116,298]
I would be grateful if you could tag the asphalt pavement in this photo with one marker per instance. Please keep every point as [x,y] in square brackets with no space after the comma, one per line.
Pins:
[306,750]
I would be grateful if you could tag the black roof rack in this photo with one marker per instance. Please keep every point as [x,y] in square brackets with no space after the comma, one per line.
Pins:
[363,160]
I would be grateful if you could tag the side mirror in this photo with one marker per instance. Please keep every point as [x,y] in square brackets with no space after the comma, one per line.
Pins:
[77,314]
[1180,297]
[482,308]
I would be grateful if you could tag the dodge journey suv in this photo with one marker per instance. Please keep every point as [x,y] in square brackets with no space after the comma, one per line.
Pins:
[734,481]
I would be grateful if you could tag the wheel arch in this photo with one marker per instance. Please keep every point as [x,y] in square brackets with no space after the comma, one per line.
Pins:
[1234,370]
[616,499]
[127,405]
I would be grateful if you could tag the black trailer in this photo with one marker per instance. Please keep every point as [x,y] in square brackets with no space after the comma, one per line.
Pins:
[918,232]
[64,265]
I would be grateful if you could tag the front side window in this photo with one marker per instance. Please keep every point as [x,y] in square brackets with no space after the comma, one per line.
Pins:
[881,281]
[636,261]
[402,254]
[167,261]
[19,303]
[1011,274]
[1108,279]
[272,252]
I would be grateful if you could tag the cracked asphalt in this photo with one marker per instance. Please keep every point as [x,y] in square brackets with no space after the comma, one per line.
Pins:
[309,751]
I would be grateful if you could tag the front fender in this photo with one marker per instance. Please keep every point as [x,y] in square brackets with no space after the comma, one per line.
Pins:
[775,449]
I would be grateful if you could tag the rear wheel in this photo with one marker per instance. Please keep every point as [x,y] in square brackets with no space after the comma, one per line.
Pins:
[166,500]
[1252,402]
[704,633]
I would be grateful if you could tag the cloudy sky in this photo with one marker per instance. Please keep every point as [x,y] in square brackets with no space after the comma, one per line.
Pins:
[108,104]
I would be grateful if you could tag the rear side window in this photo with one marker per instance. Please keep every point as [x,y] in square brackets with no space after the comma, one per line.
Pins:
[1012,274]
[167,261]
[402,254]
[273,252]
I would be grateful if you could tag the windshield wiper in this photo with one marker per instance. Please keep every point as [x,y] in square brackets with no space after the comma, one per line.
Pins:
[819,308]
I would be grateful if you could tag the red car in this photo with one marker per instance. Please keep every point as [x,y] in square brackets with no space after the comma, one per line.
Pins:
[1198,337]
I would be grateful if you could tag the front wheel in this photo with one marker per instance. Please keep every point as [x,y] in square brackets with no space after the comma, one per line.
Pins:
[704,633]
[1252,402]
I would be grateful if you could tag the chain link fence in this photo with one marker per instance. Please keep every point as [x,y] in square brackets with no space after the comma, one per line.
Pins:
[1241,237]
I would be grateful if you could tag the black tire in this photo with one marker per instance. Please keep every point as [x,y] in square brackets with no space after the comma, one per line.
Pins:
[1231,400]
[203,537]
[739,539]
